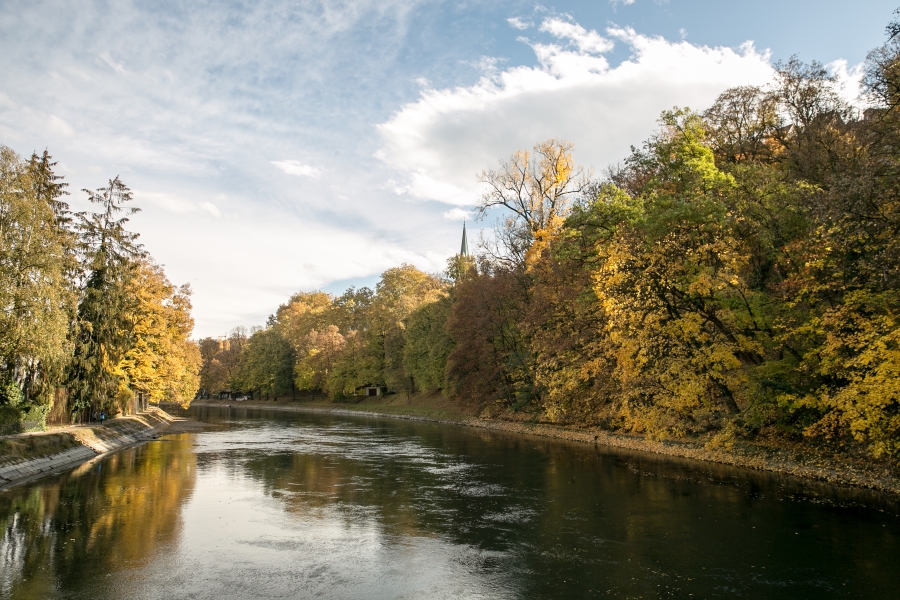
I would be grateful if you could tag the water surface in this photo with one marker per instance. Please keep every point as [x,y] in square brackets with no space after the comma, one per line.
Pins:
[303,505]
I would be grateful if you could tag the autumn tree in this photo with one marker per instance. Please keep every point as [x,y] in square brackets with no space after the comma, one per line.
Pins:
[320,352]
[162,363]
[304,312]
[490,360]
[427,345]
[37,295]
[536,188]
[566,324]
[267,364]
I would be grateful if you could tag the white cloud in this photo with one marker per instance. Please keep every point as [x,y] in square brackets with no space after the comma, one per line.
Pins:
[295,167]
[587,41]
[457,214]
[211,209]
[441,141]
[116,66]
[849,81]
[59,126]
[519,23]
[176,204]
[6,101]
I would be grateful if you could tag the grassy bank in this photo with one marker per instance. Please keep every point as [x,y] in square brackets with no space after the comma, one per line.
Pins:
[27,447]
[425,406]
[113,434]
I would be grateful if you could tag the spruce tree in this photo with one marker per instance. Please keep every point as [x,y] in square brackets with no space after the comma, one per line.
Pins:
[102,333]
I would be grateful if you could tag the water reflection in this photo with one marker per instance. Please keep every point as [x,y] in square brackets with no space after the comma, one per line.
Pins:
[305,505]
[69,532]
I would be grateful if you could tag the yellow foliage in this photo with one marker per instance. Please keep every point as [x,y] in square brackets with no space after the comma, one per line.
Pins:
[162,363]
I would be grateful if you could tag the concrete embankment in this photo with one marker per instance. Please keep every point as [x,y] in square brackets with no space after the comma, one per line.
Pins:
[28,456]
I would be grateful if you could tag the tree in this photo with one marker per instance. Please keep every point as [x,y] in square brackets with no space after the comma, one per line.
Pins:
[427,345]
[221,360]
[741,124]
[320,353]
[304,312]
[36,262]
[267,363]
[103,335]
[490,360]
[566,325]
[162,362]
[537,188]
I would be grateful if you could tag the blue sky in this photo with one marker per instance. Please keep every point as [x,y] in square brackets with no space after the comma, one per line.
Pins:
[279,145]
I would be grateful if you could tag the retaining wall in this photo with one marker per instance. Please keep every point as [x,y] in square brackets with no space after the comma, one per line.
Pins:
[92,441]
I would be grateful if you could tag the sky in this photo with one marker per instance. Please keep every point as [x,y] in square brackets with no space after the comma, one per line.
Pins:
[275,146]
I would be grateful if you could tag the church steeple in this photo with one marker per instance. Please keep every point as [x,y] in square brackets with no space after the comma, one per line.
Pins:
[464,248]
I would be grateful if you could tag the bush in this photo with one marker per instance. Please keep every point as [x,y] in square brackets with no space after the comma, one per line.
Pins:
[35,418]
[9,420]
[10,393]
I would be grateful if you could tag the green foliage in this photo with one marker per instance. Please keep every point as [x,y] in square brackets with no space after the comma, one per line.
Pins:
[428,344]
[337,345]
[37,262]
[77,310]
[739,272]
[10,393]
[266,364]
[10,420]
[103,333]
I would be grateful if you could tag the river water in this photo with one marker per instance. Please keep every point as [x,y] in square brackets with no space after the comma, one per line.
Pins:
[305,505]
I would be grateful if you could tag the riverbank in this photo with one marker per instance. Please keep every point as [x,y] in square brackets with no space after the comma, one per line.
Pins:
[775,456]
[28,456]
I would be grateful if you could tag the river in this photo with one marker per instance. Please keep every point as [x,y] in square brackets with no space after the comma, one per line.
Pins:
[311,505]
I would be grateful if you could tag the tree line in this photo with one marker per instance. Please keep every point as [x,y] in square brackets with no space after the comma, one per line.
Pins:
[736,275]
[87,319]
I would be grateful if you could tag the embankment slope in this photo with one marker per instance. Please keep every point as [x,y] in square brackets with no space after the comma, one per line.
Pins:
[28,456]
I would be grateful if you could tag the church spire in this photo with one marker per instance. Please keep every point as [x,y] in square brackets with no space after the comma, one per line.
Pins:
[464,248]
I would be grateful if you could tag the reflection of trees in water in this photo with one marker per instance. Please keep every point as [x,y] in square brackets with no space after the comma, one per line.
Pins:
[311,484]
[122,511]
[560,516]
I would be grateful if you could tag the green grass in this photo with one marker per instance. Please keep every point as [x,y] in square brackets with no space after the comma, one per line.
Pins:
[432,406]
[35,446]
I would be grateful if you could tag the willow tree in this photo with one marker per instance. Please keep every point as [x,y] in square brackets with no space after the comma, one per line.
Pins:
[102,330]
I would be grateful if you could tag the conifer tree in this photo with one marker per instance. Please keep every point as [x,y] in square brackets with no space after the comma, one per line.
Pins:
[102,333]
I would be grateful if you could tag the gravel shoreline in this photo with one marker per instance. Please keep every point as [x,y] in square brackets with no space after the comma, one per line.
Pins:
[749,456]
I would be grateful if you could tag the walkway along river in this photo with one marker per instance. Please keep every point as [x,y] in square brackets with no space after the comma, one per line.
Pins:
[304,505]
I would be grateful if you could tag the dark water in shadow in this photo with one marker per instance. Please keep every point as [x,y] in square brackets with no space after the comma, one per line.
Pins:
[287,505]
